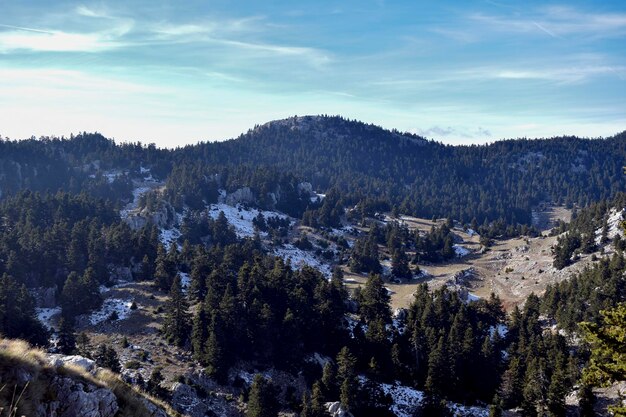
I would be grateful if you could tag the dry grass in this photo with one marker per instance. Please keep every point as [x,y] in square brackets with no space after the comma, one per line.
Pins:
[513,268]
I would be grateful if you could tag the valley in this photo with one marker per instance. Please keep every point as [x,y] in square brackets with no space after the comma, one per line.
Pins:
[199,283]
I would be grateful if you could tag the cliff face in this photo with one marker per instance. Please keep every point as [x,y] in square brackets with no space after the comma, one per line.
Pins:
[43,385]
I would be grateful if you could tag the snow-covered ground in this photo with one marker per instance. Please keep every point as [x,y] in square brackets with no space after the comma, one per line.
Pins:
[241,218]
[471,232]
[405,399]
[169,236]
[120,284]
[614,222]
[185,281]
[45,315]
[299,258]
[472,297]
[137,192]
[423,274]
[317,197]
[461,251]
[501,328]
[122,307]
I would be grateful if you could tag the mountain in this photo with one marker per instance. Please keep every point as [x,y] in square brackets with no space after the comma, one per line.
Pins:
[365,163]
[286,270]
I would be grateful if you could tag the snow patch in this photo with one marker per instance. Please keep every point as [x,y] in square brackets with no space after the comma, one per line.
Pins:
[501,328]
[461,251]
[169,237]
[185,281]
[121,307]
[300,258]
[614,222]
[45,315]
[472,297]
[241,218]
[404,399]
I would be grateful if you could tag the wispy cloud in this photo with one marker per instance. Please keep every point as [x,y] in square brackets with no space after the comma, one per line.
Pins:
[556,22]
[99,13]
[443,132]
[56,41]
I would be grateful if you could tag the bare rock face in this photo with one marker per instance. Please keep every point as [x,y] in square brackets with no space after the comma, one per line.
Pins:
[242,195]
[121,273]
[153,410]
[45,297]
[76,399]
[186,399]
[136,221]
[74,360]
[335,409]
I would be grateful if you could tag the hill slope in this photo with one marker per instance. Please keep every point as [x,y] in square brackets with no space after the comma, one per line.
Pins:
[366,163]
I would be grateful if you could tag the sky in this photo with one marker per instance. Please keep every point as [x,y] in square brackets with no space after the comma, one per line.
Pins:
[179,72]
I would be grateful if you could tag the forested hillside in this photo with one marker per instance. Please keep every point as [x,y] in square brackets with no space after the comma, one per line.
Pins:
[252,276]
[366,164]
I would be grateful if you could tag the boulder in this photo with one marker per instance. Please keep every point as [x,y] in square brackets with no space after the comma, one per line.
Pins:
[335,409]
[58,361]
[242,195]
[75,399]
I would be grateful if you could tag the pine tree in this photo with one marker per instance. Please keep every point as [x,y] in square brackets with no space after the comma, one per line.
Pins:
[66,342]
[438,374]
[495,409]
[154,383]
[106,357]
[400,265]
[217,365]
[346,378]
[374,302]
[200,333]
[328,380]
[83,345]
[556,394]
[162,274]
[262,401]
[178,320]
[586,400]
[318,400]
[608,350]
[147,269]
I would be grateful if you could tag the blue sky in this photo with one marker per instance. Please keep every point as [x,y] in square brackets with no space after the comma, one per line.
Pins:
[176,72]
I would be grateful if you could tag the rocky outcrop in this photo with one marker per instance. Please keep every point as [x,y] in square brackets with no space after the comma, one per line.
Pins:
[54,385]
[163,216]
[76,399]
[188,400]
[335,409]
[242,195]
[45,297]
[120,273]
[86,364]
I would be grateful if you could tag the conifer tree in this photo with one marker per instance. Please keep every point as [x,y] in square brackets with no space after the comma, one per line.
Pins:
[67,341]
[374,302]
[178,320]
[608,351]
[346,378]
[400,264]
[216,356]
[199,333]
[262,400]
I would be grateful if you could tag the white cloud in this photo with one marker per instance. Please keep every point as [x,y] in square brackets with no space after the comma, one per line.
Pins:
[92,12]
[54,42]
[557,22]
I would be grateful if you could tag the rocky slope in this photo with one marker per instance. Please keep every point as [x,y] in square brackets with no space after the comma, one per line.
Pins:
[37,384]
